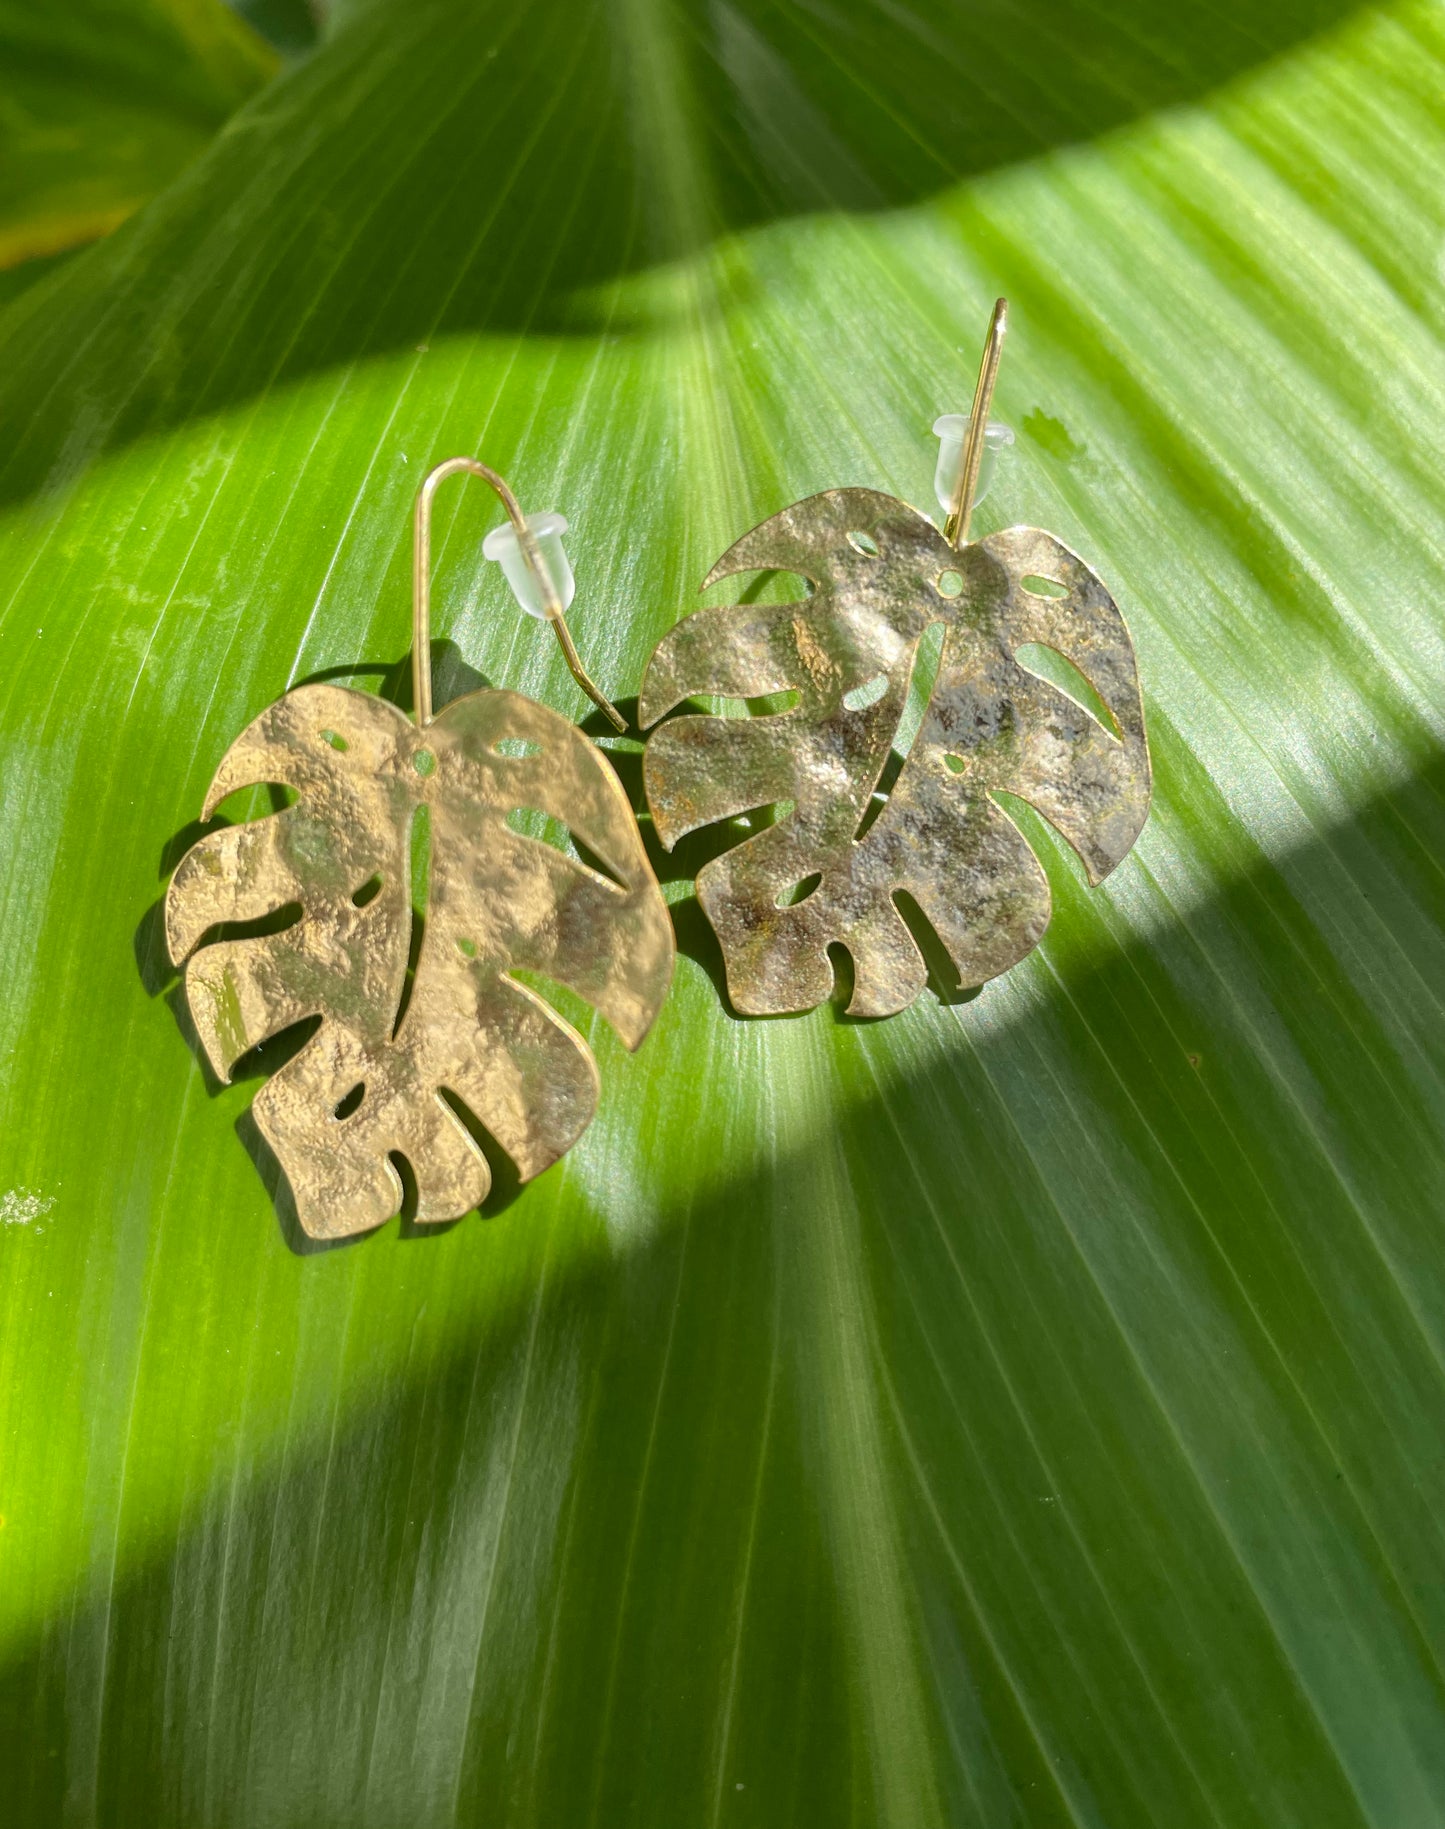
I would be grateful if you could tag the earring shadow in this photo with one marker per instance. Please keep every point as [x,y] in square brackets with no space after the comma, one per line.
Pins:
[452,676]
[299,1241]
[695,937]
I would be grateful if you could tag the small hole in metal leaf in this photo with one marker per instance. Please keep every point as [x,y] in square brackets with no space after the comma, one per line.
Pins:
[949,584]
[423,761]
[516,746]
[798,892]
[956,764]
[863,543]
[869,693]
[350,1103]
[467,948]
[368,892]
[335,739]
[1038,586]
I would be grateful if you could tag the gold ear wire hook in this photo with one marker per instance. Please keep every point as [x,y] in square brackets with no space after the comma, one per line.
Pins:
[955,529]
[421,588]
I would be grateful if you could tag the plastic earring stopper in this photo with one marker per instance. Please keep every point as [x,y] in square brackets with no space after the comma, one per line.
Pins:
[952,433]
[547,530]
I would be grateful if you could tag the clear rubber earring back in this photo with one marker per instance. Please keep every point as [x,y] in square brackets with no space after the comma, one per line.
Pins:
[546,529]
[951,430]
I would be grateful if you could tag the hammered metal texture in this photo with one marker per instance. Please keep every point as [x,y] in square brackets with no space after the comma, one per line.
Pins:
[497,901]
[990,724]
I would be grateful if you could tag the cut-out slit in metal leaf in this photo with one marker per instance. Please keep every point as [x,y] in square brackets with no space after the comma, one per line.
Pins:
[869,693]
[1039,657]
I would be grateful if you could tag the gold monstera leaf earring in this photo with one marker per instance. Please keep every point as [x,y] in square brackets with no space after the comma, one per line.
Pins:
[407,1062]
[862,822]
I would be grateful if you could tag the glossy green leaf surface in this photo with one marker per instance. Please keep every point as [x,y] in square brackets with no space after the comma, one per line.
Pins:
[102,102]
[1026,1410]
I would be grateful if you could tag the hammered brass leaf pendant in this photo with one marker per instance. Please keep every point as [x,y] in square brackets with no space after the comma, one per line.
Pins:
[405,1065]
[828,870]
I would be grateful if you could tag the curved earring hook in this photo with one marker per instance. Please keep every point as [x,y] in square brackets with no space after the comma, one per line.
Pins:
[955,529]
[421,588]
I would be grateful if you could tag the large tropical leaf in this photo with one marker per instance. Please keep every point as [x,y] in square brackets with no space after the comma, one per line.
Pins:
[102,102]
[1021,1411]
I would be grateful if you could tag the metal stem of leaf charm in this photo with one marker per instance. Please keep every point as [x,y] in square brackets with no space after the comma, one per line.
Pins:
[955,529]
[421,588]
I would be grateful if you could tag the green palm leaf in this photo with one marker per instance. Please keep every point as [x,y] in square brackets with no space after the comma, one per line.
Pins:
[102,102]
[1026,1410]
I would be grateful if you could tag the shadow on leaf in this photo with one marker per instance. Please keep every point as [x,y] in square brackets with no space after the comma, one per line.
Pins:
[436,208]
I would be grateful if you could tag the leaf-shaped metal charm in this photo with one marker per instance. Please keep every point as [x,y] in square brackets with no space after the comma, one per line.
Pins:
[882,574]
[471,1034]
